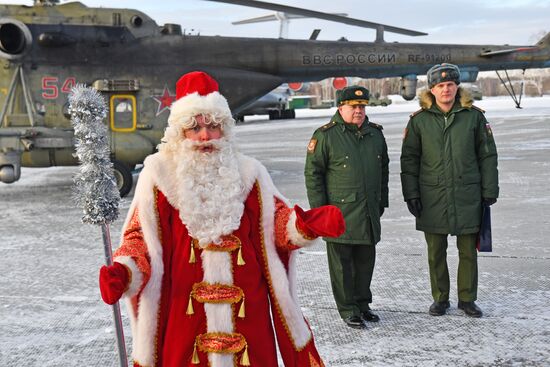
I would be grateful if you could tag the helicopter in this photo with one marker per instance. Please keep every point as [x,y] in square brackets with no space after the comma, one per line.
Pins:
[47,48]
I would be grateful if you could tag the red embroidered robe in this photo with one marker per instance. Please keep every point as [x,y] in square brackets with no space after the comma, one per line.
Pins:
[178,316]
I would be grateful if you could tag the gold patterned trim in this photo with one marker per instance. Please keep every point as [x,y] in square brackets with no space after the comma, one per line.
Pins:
[227,343]
[229,243]
[159,233]
[313,362]
[304,234]
[268,274]
[204,292]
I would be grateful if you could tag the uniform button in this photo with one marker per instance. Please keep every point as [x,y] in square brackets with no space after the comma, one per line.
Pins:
[342,200]
[345,165]
[347,157]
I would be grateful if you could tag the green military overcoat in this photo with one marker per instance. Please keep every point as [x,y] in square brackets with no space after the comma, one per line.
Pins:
[348,167]
[449,161]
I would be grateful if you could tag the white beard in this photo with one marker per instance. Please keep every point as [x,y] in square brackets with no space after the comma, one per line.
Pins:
[210,190]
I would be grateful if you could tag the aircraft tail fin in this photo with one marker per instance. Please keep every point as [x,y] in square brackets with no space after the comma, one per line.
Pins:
[544,41]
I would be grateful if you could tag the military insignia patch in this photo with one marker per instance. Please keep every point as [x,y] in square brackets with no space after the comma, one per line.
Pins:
[311,145]
[443,74]
[488,128]
[358,92]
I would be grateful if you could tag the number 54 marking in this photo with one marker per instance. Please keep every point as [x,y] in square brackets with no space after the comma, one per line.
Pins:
[50,86]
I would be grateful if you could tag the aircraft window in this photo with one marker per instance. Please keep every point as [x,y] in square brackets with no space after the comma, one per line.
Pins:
[123,113]
[123,106]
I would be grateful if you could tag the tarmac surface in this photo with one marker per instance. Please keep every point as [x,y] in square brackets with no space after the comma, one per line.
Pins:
[51,313]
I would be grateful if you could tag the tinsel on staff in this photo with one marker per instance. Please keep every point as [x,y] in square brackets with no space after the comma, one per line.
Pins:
[95,186]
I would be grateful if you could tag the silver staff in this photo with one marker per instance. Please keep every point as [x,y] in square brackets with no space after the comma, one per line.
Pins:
[95,186]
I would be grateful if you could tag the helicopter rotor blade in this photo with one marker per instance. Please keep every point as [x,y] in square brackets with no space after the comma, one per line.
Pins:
[321,15]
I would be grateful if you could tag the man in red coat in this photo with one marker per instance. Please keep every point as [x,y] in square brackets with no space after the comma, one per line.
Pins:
[206,263]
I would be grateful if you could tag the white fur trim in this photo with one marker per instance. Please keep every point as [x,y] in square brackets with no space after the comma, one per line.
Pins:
[217,268]
[282,286]
[194,104]
[221,360]
[144,328]
[293,235]
[219,317]
[136,277]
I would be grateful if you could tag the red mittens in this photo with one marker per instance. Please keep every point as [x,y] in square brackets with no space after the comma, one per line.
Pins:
[113,281]
[325,221]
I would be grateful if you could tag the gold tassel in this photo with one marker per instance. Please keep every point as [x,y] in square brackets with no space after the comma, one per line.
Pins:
[244,359]
[190,310]
[240,260]
[195,359]
[241,310]
[192,259]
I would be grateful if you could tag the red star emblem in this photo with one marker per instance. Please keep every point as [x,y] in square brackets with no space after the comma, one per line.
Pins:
[165,100]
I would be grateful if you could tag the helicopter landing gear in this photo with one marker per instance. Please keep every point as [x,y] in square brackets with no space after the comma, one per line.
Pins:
[282,114]
[123,176]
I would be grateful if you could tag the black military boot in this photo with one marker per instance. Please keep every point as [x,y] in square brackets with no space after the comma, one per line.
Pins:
[369,316]
[355,322]
[470,308]
[439,308]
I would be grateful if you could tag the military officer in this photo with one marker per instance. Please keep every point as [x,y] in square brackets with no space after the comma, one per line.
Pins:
[448,171]
[347,166]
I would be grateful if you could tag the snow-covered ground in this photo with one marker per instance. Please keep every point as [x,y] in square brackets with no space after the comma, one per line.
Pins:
[51,313]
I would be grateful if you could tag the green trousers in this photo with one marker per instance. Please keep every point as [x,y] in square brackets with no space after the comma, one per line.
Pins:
[467,266]
[351,268]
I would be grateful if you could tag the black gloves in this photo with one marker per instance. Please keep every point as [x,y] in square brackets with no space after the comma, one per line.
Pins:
[489,201]
[415,206]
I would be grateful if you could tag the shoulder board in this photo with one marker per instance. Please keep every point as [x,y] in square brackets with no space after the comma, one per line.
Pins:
[327,126]
[479,109]
[376,126]
[416,113]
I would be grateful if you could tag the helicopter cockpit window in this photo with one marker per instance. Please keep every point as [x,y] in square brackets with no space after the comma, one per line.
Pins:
[123,113]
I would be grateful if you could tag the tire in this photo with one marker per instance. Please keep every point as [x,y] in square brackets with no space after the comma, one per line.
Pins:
[123,176]
[288,114]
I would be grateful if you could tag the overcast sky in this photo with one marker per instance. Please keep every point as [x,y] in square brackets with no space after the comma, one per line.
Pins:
[514,22]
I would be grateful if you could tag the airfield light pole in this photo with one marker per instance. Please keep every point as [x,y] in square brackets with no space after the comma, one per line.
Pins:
[95,186]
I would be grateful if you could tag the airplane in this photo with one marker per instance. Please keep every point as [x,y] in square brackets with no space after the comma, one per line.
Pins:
[275,104]
[45,49]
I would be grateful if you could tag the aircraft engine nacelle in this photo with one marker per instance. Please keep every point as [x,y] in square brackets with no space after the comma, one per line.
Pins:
[407,87]
[15,39]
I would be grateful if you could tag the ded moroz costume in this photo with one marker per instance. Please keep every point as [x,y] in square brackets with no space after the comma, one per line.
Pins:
[207,251]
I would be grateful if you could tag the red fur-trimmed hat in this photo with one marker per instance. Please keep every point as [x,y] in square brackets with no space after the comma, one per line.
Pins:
[197,93]
[196,81]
